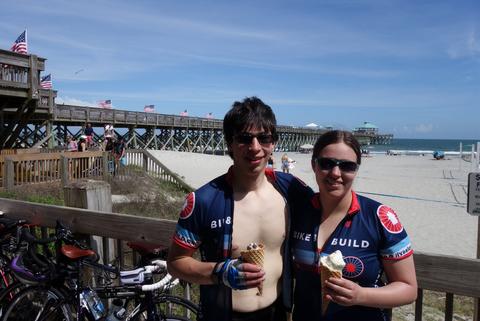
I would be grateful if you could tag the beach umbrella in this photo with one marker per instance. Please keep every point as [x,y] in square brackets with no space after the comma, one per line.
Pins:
[311,125]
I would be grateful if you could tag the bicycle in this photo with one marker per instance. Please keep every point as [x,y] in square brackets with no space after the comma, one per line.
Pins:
[63,296]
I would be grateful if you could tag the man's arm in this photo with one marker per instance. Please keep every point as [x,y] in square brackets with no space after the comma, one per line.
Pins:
[182,265]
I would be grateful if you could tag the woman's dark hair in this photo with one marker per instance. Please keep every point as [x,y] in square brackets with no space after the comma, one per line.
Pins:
[335,137]
[251,112]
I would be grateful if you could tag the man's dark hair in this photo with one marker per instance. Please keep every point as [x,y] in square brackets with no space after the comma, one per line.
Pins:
[335,137]
[251,112]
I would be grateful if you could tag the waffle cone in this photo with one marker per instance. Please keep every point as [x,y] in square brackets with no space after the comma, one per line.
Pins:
[325,274]
[254,256]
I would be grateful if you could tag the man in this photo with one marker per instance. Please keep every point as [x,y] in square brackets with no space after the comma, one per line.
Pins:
[243,206]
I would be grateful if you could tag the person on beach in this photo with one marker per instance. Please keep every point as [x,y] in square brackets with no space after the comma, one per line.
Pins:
[285,164]
[368,234]
[271,162]
[245,205]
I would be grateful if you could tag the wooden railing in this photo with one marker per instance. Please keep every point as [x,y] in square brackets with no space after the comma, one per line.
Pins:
[19,167]
[19,74]
[34,168]
[156,169]
[448,274]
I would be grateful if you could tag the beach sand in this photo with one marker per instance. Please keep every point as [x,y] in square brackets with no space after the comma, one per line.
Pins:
[429,196]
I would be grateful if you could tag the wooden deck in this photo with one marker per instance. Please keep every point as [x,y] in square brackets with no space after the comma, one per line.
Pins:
[448,274]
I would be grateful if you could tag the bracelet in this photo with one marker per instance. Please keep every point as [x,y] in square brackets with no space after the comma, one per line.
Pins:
[215,277]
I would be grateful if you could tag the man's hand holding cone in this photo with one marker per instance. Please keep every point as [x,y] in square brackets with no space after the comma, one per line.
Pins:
[254,254]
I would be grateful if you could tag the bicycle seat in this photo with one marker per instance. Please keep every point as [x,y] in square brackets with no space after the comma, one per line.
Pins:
[73,252]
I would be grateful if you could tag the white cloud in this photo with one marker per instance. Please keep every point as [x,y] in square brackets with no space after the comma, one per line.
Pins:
[467,46]
[424,128]
[74,101]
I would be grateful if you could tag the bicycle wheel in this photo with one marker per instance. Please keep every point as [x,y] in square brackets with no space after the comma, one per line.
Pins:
[7,295]
[169,308]
[40,304]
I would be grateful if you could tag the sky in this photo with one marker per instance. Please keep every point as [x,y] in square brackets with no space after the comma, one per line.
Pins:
[410,67]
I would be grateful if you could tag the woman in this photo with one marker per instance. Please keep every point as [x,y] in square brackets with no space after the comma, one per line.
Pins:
[368,234]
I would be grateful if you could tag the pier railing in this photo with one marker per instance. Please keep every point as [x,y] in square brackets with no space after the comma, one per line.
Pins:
[19,167]
[20,74]
[448,274]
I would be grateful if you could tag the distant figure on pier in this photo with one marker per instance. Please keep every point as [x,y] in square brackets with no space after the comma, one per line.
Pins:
[82,144]
[184,113]
[108,144]
[88,132]
[209,116]
[71,144]
[108,131]
[119,154]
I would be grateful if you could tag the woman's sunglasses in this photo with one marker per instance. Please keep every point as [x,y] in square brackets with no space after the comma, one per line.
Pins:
[247,138]
[328,164]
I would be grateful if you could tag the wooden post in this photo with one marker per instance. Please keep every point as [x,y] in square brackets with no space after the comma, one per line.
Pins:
[145,163]
[49,129]
[9,174]
[105,171]
[92,195]
[64,172]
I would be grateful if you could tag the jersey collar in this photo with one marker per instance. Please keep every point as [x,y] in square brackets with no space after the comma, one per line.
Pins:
[354,206]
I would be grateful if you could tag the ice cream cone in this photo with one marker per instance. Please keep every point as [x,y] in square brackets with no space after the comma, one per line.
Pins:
[330,266]
[325,274]
[255,255]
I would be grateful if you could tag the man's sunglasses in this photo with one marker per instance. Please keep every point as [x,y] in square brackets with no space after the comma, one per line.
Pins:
[247,138]
[328,164]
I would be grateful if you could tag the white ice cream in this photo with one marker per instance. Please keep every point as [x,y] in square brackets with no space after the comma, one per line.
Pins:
[333,261]
[252,246]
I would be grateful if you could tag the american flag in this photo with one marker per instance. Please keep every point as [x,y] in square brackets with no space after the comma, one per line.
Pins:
[46,82]
[105,104]
[149,108]
[20,45]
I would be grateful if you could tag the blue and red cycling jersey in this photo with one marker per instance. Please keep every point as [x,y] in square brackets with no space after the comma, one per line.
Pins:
[205,223]
[369,233]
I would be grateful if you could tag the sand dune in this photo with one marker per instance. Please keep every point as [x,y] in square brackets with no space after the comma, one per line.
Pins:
[429,196]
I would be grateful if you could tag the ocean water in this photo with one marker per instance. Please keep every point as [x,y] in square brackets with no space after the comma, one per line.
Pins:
[446,145]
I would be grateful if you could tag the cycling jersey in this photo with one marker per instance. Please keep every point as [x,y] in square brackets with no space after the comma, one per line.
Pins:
[369,233]
[205,223]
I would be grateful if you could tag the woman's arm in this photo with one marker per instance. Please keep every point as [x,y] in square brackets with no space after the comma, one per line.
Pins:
[401,289]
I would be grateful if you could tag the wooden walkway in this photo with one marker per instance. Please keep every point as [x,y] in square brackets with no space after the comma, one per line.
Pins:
[31,117]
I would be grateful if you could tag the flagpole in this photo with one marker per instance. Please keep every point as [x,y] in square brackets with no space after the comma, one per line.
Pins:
[26,39]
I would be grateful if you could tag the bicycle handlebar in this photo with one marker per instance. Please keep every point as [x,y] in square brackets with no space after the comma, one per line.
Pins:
[165,283]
